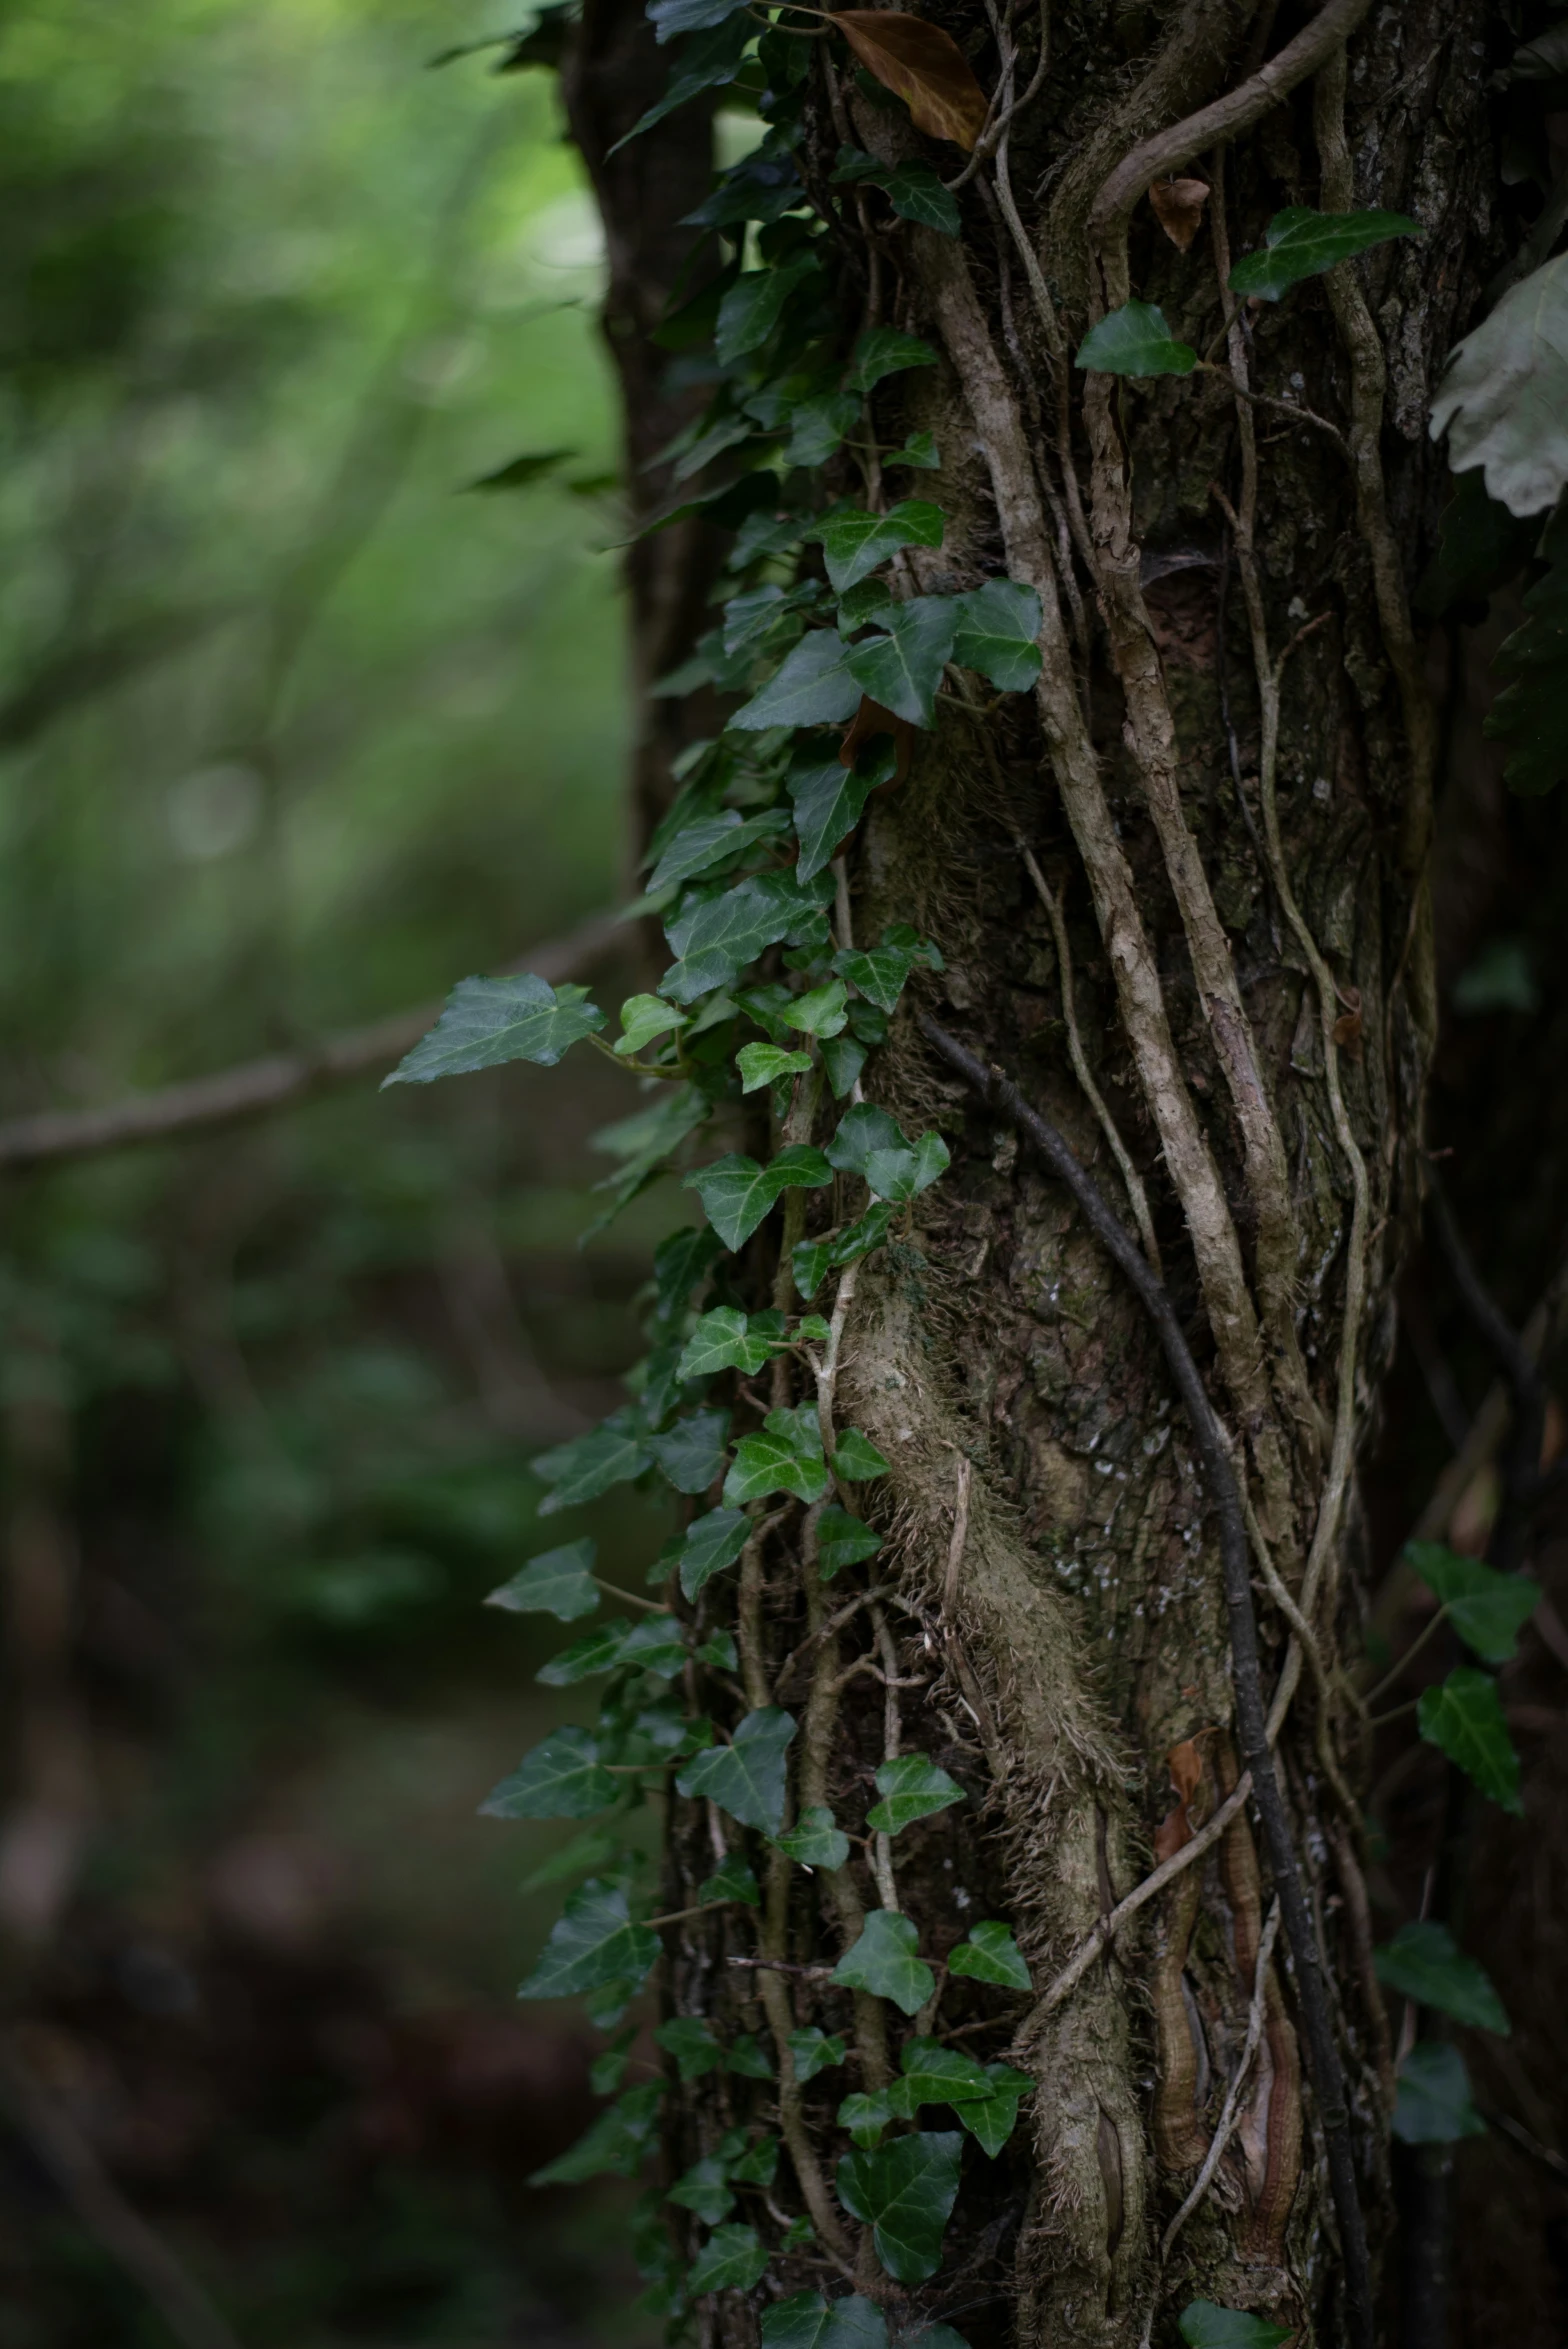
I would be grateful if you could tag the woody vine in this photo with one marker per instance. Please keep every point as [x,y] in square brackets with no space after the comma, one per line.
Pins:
[934,569]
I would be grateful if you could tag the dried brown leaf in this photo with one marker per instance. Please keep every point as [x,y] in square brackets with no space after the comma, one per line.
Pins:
[870,720]
[922,65]
[1185,1765]
[1178,207]
[1347,1028]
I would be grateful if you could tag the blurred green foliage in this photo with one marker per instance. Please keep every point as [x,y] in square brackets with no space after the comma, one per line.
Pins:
[294,730]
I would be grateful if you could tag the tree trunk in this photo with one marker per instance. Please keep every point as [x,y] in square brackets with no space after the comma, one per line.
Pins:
[1180,893]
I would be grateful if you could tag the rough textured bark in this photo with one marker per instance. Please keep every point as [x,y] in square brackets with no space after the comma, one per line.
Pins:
[1226,778]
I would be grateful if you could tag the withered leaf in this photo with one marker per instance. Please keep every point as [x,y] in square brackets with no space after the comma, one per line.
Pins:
[922,65]
[1178,207]
[1185,1765]
[1347,1028]
[870,720]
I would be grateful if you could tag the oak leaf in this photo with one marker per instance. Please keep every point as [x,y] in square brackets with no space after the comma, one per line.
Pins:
[922,65]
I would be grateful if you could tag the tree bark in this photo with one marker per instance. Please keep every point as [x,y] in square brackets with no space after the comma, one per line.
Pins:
[1182,902]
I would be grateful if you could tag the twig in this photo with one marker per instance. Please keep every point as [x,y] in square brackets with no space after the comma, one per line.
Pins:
[1231,2112]
[1246,1676]
[98,2203]
[1136,1194]
[276,1082]
[882,1847]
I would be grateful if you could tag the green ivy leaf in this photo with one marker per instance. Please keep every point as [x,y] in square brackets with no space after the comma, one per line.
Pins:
[998,634]
[882,351]
[592,1848]
[865,2114]
[748,2059]
[590,1464]
[618,2142]
[1425,1962]
[1203,2325]
[1434,2105]
[814,1841]
[644,1144]
[843,1540]
[593,1942]
[934,2074]
[881,972]
[727,1339]
[689,2039]
[716,937]
[842,1061]
[812,1260]
[1299,244]
[821,1011]
[807,2321]
[731,1880]
[765,1064]
[1487,1609]
[705,2189]
[562,1778]
[712,1543]
[912,1787]
[903,669]
[755,303]
[691,1454]
[818,425]
[990,1955]
[669,17]
[731,2260]
[1135,340]
[643,1018]
[829,801]
[737,1193]
[774,1462]
[488,1022]
[991,2119]
[869,1144]
[720,1651]
[813,2051]
[919,452]
[905,2193]
[707,61]
[856,1459]
[812,687]
[748,1777]
[884,1961]
[855,542]
[558,1582]
[1464,1716]
[702,846]
[749,621]
[916,194]
[598,1651]
[608,2068]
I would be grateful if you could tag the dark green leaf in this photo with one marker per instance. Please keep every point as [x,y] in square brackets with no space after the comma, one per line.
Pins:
[821,1011]
[812,688]
[716,937]
[558,1582]
[592,1848]
[747,2059]
[990,1955]
[669,17]
[758,2166]
[868,1143]
[598,1651]
[645,1143]
[856,1459]
[619,2142]
[934,2074]
[1203,2325]
[843,1540]
[1299,244]
[883,351]
[644,1018]
[737,1193]
[842,1061]
[727,1340]
[865,2114]
[1464,1716]
[1135,340]
[807,2321]
[754,304]
[905,2193]
[1531,712]
[712,1543]
[713,840]
[762,186]
[1487,1609]
[903,669]
[655,1643]
[562,1778]
[720,1651]
[829,801]
[689,2039]
[705,2189]
[812,1259]
[813,2051]
[854,542]
[731,2260]
[991,2119]
[608,2068]
[748,1777]
[916,193]
[885,1961]
[1434,2105]
[919,451]
[772,1462]
[998,634]
[1481,546]
[590,1464]
[692,1452]
[818,425]
[912,1787]
[706,62]
[522,472]
[879,973]
[593,1942]
[731,1880]
[1425,1962]
[814,1841]
[488,1022]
